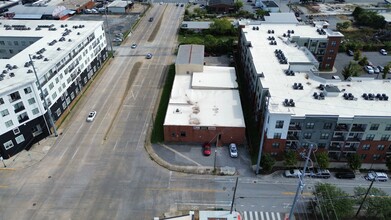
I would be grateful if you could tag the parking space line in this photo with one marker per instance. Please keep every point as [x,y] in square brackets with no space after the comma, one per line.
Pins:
[176,152]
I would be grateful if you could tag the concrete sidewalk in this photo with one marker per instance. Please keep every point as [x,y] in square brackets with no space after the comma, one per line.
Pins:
[36,153]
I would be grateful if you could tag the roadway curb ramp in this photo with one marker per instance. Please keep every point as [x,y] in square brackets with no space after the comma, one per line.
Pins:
[224,171]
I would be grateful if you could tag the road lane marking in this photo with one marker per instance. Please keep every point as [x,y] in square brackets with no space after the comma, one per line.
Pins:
[256,216]
[8,169]
[185,189]
[293,193]
[250,213]
[272,213]
[176,152]
[3,186]
[267,215]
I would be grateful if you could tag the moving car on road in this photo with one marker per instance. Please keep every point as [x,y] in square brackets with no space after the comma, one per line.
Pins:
[91,116]
[233,151]
[133,46]
[149,56]
[383,52]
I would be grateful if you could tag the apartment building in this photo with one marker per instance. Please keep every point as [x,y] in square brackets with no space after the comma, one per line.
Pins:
[64,55]
[298,108]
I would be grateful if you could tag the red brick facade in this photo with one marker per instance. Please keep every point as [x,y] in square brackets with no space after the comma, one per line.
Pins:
[330,53]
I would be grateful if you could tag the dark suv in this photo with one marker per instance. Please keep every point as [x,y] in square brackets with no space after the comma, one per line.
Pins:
[150,19]
[346,174]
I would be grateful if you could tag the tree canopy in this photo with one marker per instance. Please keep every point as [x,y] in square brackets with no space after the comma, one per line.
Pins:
[323,160]
[290,158]
[368,18]
[354,161]
[377,204]
[222,27]
[333,202]
[267,162]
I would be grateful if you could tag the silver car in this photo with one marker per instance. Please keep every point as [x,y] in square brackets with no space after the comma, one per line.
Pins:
[91,116]
[233,151]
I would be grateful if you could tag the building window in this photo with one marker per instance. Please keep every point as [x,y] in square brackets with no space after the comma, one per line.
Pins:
[183,134]
[9,144]
[58,112]
[276,145]
[376,156]
[57,80]
[1,101]
[4,112]
[31,101]
[277,136]
[331,51]
[327,126]
[329,58]
[27,90]
[14,96]
[35,111]
[370,137]
[388,127]
[54,95]
[374,127]
[273,154]
[19,139]
[305,145]
[333,43]
[307,135]
[385,137]
[366,146]
[18,107]
[363,156]
[324,136]
[16,131]
[51,86]
[380,147]
[310,125]
[9,123]
[23,117]
[279,124]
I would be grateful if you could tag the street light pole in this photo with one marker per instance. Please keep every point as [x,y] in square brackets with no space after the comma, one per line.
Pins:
[44,100]
[233,197]
[108,32]
[301,184]
[365,197]
[262,136]
[214,163]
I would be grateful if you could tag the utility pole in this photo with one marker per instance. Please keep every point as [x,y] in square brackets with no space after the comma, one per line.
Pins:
[365,197]
[108,32]
[44,100]
[262,136]
[233,197]
[301,182]
[214,163]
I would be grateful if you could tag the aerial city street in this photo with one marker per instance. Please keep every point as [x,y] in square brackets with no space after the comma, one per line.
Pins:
[176,109]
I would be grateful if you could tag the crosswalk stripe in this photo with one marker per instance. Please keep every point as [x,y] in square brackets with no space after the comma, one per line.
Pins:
[261,213]
[256,215]
[278,216]
[272,213]
[267,216]
[251,215]
[245,216]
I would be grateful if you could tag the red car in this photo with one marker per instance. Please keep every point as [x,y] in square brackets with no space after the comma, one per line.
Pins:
[206,149]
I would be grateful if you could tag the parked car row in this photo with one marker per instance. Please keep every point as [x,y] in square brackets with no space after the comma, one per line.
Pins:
[325,174]
[233,150]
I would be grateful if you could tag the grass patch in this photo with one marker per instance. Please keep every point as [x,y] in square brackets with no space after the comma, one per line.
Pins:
[157,131]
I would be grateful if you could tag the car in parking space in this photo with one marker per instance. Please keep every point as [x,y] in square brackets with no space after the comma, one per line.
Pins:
[148,56]
[233,150]
[369,69]
[376,70]
[381,68]
[292,173]
[321,173]
[376,176]
[383,52]
[345,174]
[206,149]
[350,52]
[91,116]
[133,46]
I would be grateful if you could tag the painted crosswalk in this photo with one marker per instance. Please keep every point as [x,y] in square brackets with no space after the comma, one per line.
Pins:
[250,215]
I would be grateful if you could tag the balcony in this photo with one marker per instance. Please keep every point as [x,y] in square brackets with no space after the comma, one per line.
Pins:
[291,146]
[358,128]
[23,119]
[334,147]
[21,108]
[354,139]
[295,127]
[350,149]
[292,137]
[341,127]
[338,138]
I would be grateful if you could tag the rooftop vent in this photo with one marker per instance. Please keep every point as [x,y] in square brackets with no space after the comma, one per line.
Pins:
[12,74]
[46,59]
[371,96]
[349,96]
[289,73]
[297,86]
[29,71]
[319,96]
[270,31]
[289,103]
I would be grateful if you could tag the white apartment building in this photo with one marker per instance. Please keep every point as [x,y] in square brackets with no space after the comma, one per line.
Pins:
[64,54]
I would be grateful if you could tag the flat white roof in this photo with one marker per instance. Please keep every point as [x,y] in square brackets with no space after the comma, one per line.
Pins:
[281,86]
[21,77]
[211,103]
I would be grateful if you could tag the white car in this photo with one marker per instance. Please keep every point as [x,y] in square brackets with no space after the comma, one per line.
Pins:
[233,150]
[369,69]
[376,176]
[376,70]
[293,173]
[91,116]
[383,52]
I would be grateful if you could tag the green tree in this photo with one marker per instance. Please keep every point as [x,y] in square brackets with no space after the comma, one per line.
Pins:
[363,61]
[323,160]
[357,55]
[354,161]
[343,25]
[261,13]
[333,202]
[386,71]
[221,27]
[267,162]
[377,205]
[352,69]
[290,158]
[238,5]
